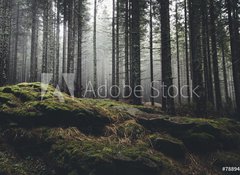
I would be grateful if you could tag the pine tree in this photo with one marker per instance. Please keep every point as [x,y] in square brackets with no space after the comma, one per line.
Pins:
[136,63]
[167,100]
[196,56]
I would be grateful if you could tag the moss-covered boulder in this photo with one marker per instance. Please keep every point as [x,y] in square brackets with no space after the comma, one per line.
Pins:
[44,136]
[168,145]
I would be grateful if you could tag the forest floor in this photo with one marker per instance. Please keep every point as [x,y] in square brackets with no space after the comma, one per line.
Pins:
[41,136]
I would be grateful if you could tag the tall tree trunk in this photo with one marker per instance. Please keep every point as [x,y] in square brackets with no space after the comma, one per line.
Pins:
[205,44]
[113,51]
[45,38]
[136,62]
[117,45]
[79,60]
[130,44]
[95,46]
[4,40]
[57,43]
[70,60]
[65,16]
[127,83]
[33,64]
[15,61]
[167,99]
[215,57]
[178,56]
[195,33]
[151,53]
[186,52]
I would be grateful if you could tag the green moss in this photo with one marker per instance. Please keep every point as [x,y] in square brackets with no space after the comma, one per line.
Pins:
[75,135]
[221,123]
[164,136]
[130,129]
[71,154]
[167,145]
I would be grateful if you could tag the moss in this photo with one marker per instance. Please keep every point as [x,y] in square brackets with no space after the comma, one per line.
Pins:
[220,123]
[71,136]
[130,129]
[201,142]
[168,145]
[92,152]
[8,99]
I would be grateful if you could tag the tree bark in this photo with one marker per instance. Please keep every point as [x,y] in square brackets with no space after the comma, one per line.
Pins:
[195,34]
[215,57]
[33,64]
[95,46]
[127,83]
[151,53]
[186,52]
[136,63]
[4,40]
[15,60]
[113,51]
[178,57]
[79,60]
[167,100]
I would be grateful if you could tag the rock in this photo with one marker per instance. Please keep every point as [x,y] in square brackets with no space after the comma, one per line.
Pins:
[201,142]
[166,125]
[106,137]
[172,148]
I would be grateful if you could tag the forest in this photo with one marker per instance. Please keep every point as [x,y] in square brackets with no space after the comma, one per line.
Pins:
[179,53]
[98,87]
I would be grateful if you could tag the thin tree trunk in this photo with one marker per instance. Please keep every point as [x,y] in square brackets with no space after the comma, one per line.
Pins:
[127,47]
[178,57]
[95,46]
[151,53]
[113,51]
[117,45]
[57,43]
[16,46]
[215,57]
[65,16]
[186,52]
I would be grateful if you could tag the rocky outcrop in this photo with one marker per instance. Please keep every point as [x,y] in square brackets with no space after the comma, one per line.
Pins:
[40,135]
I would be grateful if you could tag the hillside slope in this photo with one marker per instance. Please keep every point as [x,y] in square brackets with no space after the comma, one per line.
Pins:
[42,136]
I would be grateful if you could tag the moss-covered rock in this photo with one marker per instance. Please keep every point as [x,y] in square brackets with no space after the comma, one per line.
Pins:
[201,142]
[41,135]
[168,145]
[130,129]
